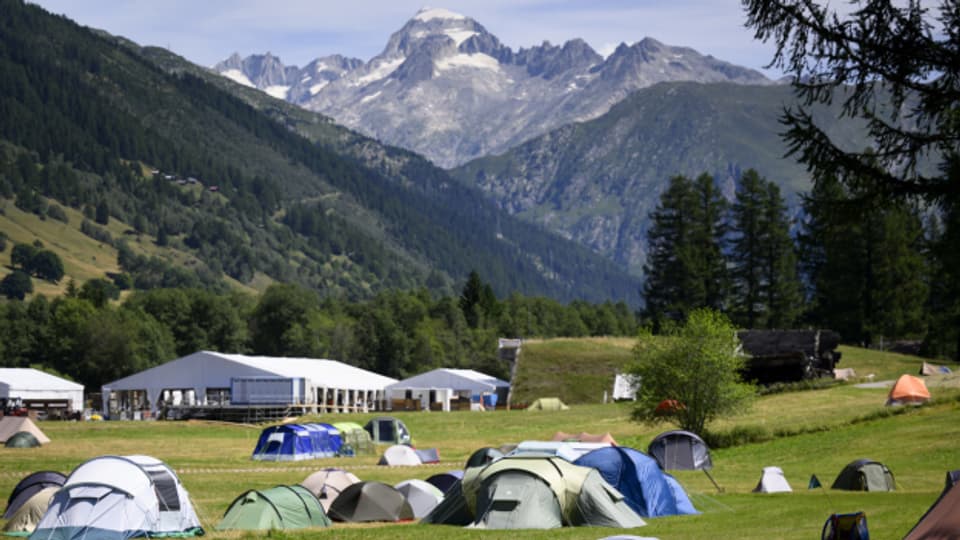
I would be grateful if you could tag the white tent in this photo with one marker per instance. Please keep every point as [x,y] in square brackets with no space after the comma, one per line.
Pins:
[399,454]
[443,384]
[120,497]
[204,377]
[772,481]
[34,385]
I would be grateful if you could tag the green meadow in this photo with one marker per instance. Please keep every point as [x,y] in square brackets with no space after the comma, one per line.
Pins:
[803,432]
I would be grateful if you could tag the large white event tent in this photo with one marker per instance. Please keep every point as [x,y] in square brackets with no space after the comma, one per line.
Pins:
[441,386]
[206,378]
[32,385]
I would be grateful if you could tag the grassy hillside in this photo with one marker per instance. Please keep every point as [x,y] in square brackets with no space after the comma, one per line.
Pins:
[581,370]
[918,444]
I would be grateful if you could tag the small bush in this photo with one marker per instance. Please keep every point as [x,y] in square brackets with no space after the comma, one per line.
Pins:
[55,211]
[97,233]
[797,386]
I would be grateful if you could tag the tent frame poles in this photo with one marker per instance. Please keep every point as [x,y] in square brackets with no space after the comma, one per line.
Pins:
[715,484]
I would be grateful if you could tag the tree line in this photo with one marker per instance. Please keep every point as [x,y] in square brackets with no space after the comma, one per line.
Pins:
[871,269]
[86,336]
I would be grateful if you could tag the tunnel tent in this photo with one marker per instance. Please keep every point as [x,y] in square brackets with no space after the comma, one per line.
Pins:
[388,430]
[30,485]
[280,507]
[28,514]
[285,442]
[355,439]
[333,440]
[483,456]
[119,497]
[326,484]
[446,480]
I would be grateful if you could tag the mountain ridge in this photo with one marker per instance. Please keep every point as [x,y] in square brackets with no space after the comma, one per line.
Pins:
[446,88]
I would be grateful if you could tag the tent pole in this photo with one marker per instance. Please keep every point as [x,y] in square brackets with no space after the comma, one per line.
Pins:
[715,484]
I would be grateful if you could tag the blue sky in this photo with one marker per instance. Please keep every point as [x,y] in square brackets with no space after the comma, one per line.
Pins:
[207,31]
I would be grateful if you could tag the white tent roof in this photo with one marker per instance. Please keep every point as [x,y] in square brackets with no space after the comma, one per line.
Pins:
[205,369]
[772,481]
[214,370]
[29,383]
[456,379]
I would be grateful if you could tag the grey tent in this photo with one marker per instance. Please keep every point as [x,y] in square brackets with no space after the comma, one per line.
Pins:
[680,450]
[942,520]
[327,484]
[370,501]
[865,475]
[27,516]
[22,439]
[422,496]
[538,492]
[28,486]
[388,430]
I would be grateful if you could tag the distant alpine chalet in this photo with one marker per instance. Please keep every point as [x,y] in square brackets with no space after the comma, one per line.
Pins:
[446,88]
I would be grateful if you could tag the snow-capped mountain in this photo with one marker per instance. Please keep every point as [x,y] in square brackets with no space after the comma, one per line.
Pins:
[448,89]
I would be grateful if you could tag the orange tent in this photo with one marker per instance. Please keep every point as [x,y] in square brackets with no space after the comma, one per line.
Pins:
[908,389]
[583,436]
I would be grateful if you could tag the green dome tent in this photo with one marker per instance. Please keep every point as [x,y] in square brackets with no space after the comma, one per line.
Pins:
[280,507]
[548,404]
[22,439]
[354,437]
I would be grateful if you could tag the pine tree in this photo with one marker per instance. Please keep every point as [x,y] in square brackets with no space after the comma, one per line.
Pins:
[747,252]
[782,289]
[685,267]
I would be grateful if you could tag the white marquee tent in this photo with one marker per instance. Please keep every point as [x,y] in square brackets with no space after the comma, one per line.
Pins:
[205,377]
[444,384]
[34,385]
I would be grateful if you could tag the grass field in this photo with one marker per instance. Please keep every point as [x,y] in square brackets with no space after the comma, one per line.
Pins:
[826,430]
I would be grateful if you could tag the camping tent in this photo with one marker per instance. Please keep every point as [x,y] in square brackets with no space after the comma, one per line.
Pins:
[908,389]
[22,439]
[428,455]
[370,501]
[483,456]
[280,507]
[26,517]
[548,404]
[333,439]
[387,429]
[567,450]
[942,520]
[864,475]
[29,486]
[355,439]
[327,484]
[534,492]
[446,480]
[583,436]
[321,440]
[119,497]
[34,385]
[638,477]
[11,425]
[772,480]
[422,496]
[288,442]
[680,450]
[399,454]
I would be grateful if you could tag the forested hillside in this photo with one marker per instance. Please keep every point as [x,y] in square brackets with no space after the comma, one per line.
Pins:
[94,124]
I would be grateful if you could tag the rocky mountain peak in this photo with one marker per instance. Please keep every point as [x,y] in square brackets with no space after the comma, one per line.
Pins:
[427,24]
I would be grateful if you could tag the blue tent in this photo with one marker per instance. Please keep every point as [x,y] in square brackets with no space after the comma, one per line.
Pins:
[290,442]
[333,440]
[641,481]
[323,445]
